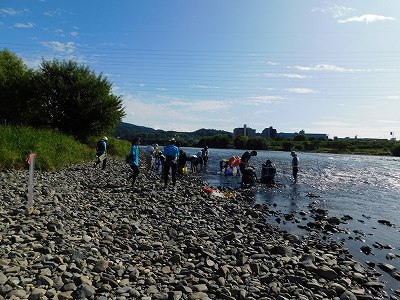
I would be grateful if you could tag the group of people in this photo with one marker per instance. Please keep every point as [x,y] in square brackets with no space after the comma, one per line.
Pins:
[249,176]
[173,159]
[199,159]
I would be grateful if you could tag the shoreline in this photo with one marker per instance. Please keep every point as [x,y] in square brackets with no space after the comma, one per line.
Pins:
[92,235]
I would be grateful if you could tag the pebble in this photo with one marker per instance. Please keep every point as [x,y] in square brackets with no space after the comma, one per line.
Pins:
[92,235]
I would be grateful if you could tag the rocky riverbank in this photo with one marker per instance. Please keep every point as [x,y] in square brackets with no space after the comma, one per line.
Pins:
[92,235]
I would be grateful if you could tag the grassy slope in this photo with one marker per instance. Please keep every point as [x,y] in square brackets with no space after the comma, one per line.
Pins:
[53,150]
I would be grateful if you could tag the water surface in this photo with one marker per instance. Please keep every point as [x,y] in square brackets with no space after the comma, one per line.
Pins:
[365,187]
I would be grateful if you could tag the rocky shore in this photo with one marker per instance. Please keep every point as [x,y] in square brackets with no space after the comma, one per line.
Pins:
[92,235]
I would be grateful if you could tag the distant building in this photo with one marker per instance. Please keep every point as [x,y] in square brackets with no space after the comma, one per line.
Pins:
[246,131]
[269,133]
[318,136]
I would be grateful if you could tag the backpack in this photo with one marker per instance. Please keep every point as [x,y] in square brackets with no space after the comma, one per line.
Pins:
[100,146]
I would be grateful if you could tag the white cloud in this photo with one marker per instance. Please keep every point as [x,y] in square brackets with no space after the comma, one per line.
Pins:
[291,76]
[295,76]
[387,121]
[59,32]
[256,100]
[392,97]
[12,12]
[337,11]
[334,123]
[199,86]
[202,105]
[60,47]
[52,13]
[322,67]
[8,11]
[185,114]
[333,68]
[24,25]
[367,19]
[74,33]
[301,91]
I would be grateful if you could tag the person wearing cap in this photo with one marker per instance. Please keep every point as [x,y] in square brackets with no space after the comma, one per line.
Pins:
[101,152]
[171,153]
[134,159]
[295,165]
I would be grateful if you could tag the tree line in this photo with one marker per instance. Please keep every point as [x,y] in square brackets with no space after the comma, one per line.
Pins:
[303,143]
[61,95]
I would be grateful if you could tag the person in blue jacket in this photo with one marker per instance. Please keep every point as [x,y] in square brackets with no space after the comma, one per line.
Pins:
[171,153]
[134,159]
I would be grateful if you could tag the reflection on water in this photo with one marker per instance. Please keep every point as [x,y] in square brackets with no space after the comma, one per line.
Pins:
[364,187]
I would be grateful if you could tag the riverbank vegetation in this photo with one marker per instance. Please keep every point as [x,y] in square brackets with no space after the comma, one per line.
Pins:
[301,143]
[53,149]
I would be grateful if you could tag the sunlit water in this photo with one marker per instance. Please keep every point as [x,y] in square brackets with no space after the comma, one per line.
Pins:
[365,187]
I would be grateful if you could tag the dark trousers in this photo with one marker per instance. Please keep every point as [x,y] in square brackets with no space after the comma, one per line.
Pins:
[295,171]
[169,165]
[99,161]
[135,173]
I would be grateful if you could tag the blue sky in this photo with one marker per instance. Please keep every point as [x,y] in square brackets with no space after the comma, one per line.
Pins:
[323,66]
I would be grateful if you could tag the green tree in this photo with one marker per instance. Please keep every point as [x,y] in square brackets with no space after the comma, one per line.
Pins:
[395,149]
[300,137]
[287,146]
[257,144]
[75,100]
[217,141]
[241,142]
[14,89]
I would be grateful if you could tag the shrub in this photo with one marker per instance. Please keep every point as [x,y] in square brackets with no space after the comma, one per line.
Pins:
[395,150]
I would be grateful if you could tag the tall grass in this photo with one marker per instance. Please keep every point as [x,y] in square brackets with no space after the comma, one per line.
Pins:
[53,150]
[115,146]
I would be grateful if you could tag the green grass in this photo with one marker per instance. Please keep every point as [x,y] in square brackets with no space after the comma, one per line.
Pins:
[53,150]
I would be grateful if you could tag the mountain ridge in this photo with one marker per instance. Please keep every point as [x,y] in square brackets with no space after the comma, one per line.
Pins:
[128,131]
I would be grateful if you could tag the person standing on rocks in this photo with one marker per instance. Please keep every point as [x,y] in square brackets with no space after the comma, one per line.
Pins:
[149,157]
[157,159]
[182,162]
[295,165]
[134,159]
[171,153]
[101,152]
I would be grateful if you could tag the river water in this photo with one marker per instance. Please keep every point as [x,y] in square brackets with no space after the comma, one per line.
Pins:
[365,187]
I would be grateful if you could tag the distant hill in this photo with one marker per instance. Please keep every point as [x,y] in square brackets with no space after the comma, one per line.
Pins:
[127,131]
[124,127]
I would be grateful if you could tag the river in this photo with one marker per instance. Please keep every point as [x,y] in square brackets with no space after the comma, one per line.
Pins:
[365,187]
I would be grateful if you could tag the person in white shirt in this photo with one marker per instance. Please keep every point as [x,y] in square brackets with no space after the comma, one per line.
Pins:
[149,157]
